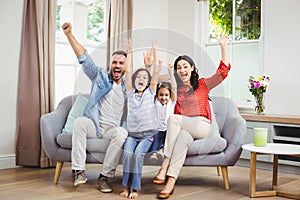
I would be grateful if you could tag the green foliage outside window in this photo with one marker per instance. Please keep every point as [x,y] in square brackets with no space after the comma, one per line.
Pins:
[95,20]
[248,14]
[58,8]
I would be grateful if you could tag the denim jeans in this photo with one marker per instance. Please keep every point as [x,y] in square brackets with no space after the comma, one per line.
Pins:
[132,160]
[158,141]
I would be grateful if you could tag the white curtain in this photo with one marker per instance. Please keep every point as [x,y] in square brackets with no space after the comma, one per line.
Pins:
[119,25]
[46,27]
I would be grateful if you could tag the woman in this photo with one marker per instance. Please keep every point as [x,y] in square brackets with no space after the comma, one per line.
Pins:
[192,115]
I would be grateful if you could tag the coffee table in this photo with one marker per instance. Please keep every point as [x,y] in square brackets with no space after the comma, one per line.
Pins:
[274,149]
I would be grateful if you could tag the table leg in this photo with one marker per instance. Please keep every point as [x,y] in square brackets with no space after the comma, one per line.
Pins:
[275,173]
[252,187]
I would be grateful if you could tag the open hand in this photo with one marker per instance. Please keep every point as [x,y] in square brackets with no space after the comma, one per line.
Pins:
[148,58]
[224,40]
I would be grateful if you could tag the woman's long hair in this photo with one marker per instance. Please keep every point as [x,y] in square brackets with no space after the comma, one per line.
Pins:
[194,76]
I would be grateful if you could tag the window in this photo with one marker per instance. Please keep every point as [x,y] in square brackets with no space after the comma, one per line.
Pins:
[88,26]
[241,21]
[244,14]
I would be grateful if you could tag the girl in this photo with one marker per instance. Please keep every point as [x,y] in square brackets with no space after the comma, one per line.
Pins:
[164,108]
[142,123]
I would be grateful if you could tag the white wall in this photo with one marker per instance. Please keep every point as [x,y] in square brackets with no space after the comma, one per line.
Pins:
[281,56]
[280,50]
[11,12]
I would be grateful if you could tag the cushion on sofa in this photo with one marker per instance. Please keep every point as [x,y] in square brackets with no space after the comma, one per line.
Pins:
[207,145]
[93,144]
[76,111]
[214,131]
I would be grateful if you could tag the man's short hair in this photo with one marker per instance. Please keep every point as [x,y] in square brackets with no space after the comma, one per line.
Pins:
[120,52]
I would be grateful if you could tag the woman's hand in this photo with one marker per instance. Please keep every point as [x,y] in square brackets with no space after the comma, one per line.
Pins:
[224,40]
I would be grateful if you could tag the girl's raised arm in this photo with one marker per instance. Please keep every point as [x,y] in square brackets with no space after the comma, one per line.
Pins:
[173,83]
[128,66]
[156,67]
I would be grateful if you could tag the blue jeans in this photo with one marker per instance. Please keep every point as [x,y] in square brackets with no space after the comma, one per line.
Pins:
[158,141]
[133,159]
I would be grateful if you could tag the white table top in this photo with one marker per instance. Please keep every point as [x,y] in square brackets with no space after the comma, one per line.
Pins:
[274,148]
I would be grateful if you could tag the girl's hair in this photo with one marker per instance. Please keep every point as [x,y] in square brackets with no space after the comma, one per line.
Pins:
[134,75]
[166,85]
[194,76]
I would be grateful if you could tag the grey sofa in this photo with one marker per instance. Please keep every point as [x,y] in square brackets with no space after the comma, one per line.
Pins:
[221,151]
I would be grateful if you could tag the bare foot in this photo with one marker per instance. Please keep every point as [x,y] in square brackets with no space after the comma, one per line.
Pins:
[125,193]
[133,194]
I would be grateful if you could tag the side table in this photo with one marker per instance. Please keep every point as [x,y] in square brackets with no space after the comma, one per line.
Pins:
[274,149]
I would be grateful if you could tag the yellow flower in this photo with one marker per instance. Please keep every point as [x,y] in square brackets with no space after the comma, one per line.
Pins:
[260,78]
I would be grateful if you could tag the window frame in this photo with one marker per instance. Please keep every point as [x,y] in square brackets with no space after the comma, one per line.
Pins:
[75,13]
[201,36]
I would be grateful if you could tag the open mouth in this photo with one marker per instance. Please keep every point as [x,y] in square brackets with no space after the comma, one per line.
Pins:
[184,76]
[117,73]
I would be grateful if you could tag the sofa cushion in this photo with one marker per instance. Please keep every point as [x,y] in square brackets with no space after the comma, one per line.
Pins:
[93,144]
[215,132]
[76,111]
[207,145]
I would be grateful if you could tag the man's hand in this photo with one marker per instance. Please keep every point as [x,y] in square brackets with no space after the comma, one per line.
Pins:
[67,28]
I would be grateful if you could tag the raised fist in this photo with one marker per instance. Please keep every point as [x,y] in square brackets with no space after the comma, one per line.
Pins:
[67,27]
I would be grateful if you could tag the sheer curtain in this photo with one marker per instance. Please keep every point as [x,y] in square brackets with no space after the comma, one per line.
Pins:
[35,89]
[119,25]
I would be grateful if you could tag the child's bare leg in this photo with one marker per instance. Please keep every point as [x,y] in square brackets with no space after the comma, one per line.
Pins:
[133,194]
[125,192]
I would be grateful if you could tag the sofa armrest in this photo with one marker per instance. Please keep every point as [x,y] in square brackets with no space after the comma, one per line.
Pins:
[51,124]
[232,127]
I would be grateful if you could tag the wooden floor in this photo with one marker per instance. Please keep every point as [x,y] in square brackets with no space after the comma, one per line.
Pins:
[194,183]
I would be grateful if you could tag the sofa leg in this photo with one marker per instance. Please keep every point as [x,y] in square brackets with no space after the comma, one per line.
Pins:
[225,176]
[58,169]
[219,170]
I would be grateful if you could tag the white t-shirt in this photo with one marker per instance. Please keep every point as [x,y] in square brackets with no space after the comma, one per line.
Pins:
[111,108]
[141,111]
[163,113]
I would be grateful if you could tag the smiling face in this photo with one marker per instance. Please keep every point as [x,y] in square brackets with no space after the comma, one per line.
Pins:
[117,67]
[163,95]
[141,81]
[184,71]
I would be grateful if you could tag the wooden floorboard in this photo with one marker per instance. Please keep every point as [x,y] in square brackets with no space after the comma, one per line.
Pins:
[194,183]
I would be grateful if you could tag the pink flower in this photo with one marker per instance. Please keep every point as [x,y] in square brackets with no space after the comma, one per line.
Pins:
[257,84]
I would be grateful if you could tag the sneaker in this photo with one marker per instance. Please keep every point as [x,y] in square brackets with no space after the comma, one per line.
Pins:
[153,158]
[103,185]
[79,177]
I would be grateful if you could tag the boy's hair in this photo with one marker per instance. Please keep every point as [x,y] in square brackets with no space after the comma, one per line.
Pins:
[134,75]
[164,85]
[119,52]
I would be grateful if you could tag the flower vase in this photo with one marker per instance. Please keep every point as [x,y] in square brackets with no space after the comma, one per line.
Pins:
[260,104]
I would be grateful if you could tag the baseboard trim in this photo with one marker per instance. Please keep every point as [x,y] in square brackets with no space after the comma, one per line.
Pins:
[7,161]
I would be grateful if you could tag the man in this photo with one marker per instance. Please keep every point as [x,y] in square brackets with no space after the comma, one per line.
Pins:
[103,113]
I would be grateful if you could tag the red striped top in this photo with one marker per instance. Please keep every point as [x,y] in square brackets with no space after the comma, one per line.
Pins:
[196,103]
